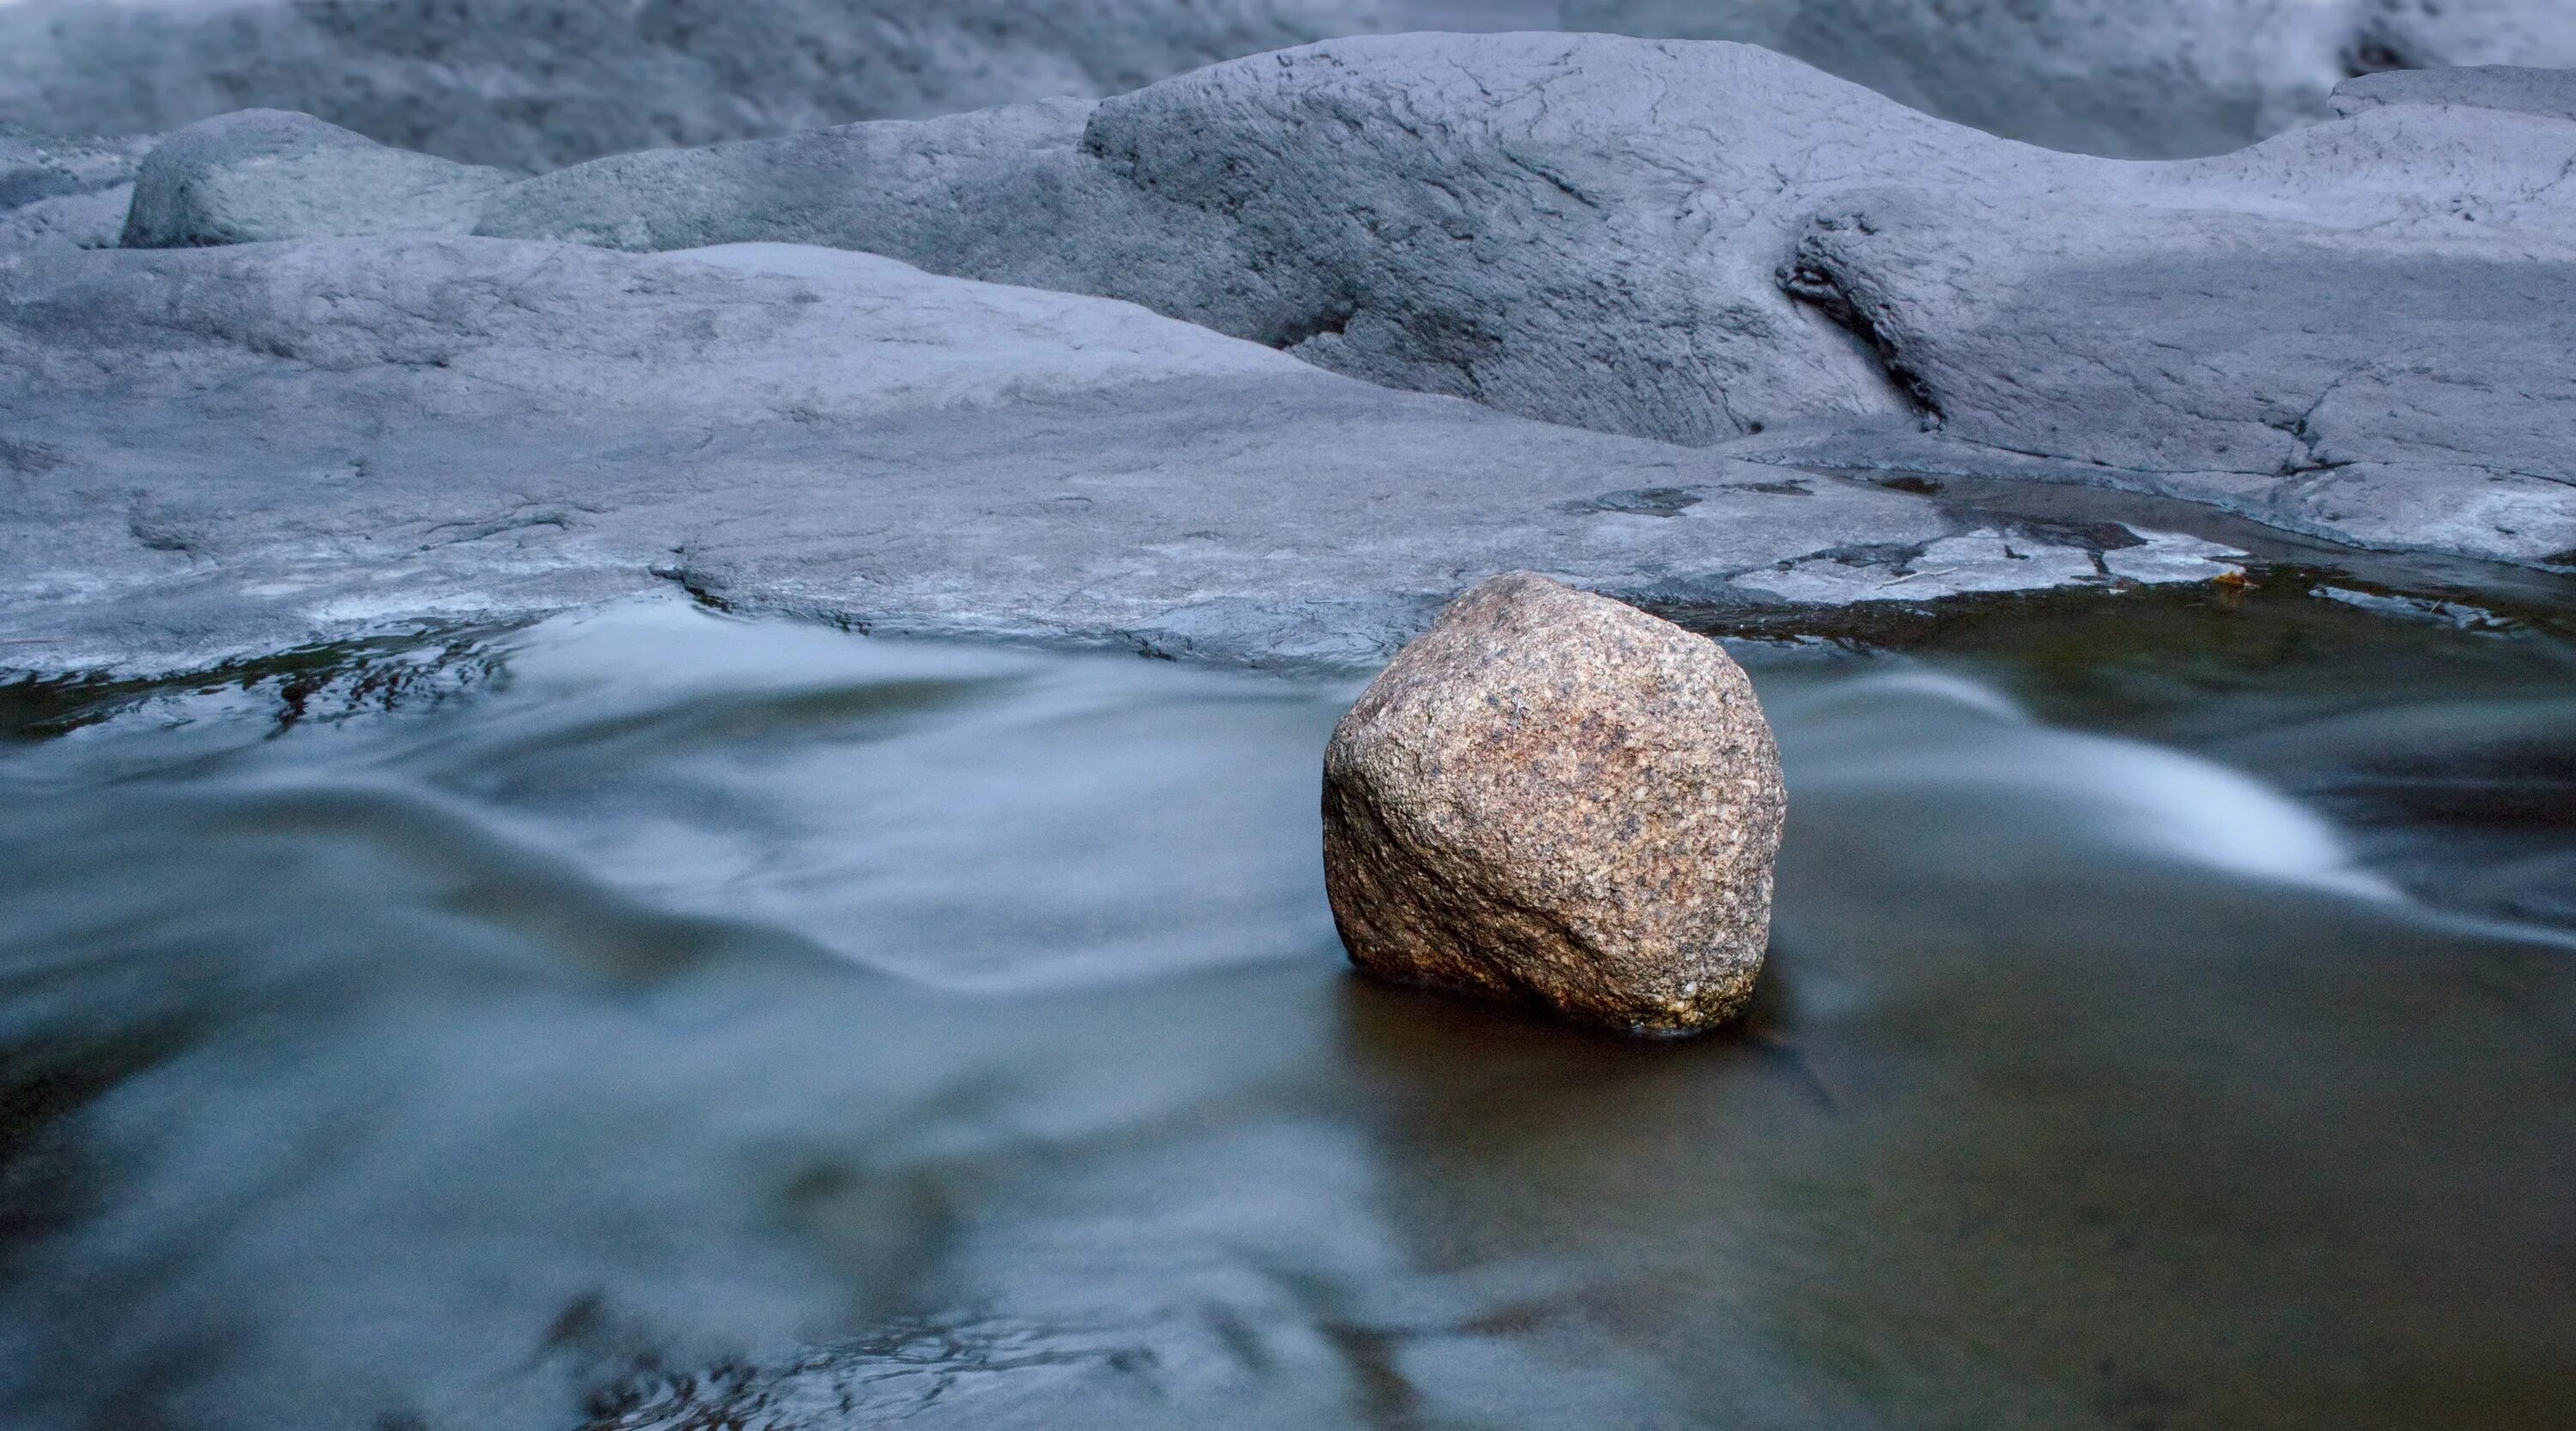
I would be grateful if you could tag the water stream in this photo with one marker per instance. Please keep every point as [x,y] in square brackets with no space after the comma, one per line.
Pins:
[651,1018]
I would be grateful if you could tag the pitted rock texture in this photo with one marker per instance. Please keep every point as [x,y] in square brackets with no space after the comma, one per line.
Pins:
[538,83]
[263,174]
[1554,799]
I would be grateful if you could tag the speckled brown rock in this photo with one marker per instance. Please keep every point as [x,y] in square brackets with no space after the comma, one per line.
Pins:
[1557,799]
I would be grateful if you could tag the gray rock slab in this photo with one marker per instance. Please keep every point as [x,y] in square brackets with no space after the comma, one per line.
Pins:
[2522,89]
[73,220]
[263,174]
[62,190]
[218,453]
[533,84]
[2386,368]
[1578,229]
[36,165]
[2173,79]
[1711,243]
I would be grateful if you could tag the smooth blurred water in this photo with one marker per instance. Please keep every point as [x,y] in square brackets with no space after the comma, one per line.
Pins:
[658,1019]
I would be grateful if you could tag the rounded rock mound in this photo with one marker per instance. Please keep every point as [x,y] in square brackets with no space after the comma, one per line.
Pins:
[263,175]
[1552,798]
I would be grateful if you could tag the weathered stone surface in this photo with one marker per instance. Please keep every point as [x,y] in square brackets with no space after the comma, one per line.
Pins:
[1709,243]
[532,84]
[35,166]
[2382,363]
[2522,89]
[972,189]
[263,174]
[1577,229]
[73,220]
[538,83]
[1555,799]
[207,453]
[63,190]
[1713,244]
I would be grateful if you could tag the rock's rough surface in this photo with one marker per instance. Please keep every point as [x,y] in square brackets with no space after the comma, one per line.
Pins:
[264,174]
[537,83]
[2384,364]
[74,220]
[2519,88]
[1554,799]
[62,190]
[1714,244]
[208,453]
[1581,230]
[966,194]
[532,84]
[35,165]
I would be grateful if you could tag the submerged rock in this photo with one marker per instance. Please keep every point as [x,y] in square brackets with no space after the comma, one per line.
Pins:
[265,174]
[1555,799]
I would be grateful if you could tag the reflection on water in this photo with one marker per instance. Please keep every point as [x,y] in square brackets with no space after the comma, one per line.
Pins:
[655,1020]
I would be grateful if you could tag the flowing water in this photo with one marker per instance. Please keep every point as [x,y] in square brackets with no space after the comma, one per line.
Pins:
[657,1019]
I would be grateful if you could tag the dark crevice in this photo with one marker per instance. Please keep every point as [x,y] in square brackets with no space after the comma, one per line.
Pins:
[1335,320]
[704,588]
[1810,282]
[2309,461]
[2375,51]
[28,459]
[1640,502]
